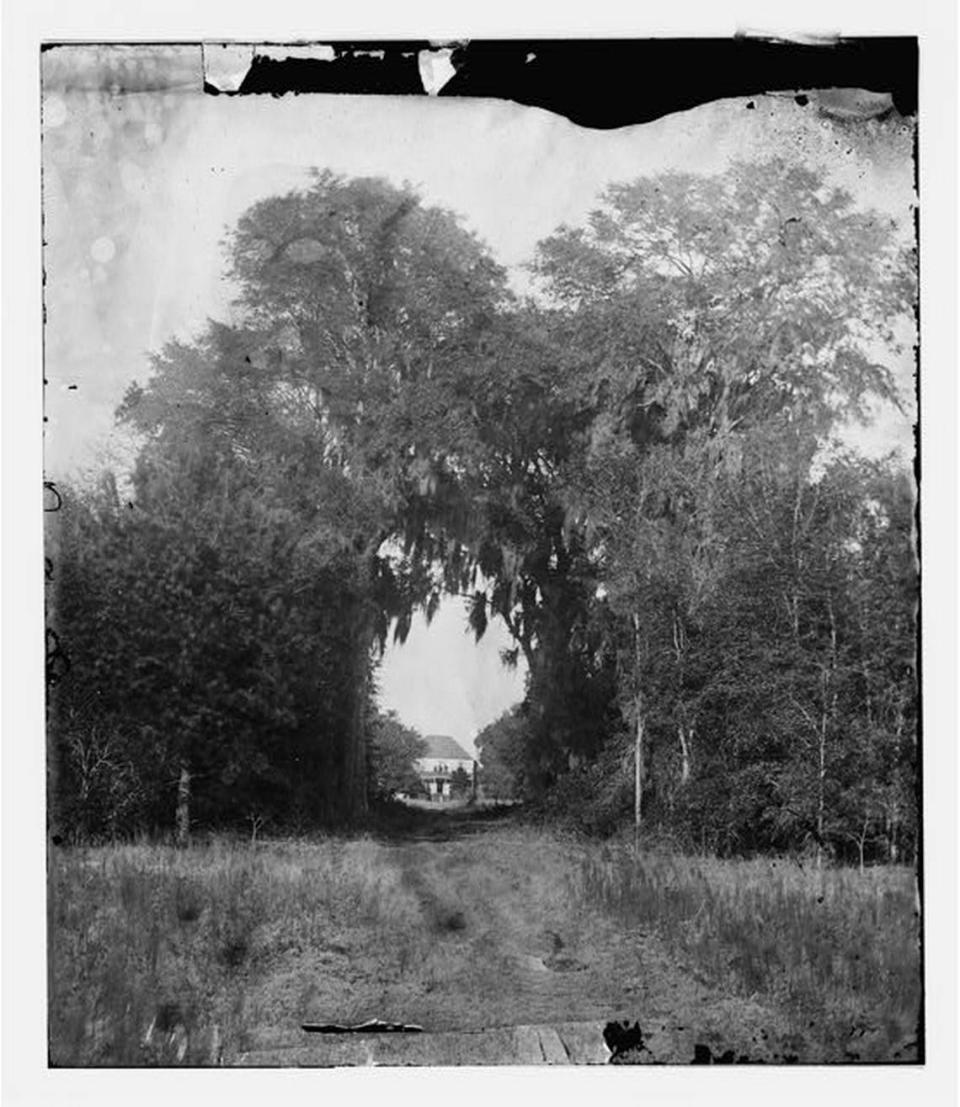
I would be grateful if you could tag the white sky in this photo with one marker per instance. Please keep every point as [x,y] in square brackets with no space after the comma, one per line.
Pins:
[440,681]
[140,189]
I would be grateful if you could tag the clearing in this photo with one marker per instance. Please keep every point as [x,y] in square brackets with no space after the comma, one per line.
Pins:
[505,944]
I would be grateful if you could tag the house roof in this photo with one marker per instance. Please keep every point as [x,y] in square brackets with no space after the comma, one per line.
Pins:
[441,745]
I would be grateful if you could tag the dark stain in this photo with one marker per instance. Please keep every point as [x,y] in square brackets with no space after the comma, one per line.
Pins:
[703,1055]
[234,953]
[446,920]
[623,1038]
[187,901]
[555,940]
[564,964]
[169,1016]
[58,662]
[54,501]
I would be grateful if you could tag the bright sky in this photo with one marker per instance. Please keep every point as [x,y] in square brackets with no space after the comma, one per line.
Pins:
[140,188]
[440,681]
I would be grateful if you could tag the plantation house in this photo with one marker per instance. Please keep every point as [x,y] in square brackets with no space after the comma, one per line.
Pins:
[442,759]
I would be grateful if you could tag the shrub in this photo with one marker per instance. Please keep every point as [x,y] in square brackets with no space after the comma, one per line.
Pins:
[103,794]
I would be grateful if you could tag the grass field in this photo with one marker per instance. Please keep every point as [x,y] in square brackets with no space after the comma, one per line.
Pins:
[161,956]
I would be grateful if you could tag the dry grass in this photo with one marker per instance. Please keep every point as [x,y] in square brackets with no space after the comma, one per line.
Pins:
[836,950]
[153,950]
[161,956]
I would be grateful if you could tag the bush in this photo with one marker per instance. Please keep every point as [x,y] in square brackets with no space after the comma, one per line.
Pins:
[460,782]
[103,792]
[595,798]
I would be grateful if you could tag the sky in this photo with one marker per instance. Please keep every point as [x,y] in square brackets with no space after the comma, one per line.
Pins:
[440,681]
[140,189]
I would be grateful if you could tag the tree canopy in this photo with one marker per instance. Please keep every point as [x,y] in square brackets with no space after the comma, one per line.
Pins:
[627,468]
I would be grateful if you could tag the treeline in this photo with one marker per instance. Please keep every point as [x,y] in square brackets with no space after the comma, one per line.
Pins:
[777,709]
[631,470]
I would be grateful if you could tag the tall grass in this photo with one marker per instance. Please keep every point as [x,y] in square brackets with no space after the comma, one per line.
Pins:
[153,950]
[162,956]
[836,950]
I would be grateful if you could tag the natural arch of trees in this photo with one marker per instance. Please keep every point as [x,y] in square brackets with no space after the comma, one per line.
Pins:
[627,469]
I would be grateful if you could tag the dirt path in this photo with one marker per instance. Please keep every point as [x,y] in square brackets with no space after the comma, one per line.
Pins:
[504,963]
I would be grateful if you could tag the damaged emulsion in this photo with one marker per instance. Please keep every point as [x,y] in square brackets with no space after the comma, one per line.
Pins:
[598,83]
[626,1043]
[368,68]
[57,662]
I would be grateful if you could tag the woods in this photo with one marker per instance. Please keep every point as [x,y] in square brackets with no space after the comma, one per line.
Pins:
[638,467]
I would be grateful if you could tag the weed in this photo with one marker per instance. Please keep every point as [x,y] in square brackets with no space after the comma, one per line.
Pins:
[161,956]
[830,947]
[450,919]
[188,900]
[152,949]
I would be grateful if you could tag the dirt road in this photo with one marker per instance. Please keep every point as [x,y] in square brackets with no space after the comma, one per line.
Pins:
[501,961]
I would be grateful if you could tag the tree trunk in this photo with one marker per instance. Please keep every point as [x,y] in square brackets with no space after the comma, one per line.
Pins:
[638,772]
[638,745]
[685,736]
[821,781]
[894,815]
[792,601]
[829,708]
[183,804]
[868,699]
[862,840]
[353,802]
[686,741]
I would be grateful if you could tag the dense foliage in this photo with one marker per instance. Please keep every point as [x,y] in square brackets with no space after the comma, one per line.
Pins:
[501,747]
[280,455]
[394,749]
[635,470]
[197,637]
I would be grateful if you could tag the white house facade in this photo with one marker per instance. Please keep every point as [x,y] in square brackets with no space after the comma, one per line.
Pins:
[441,760]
